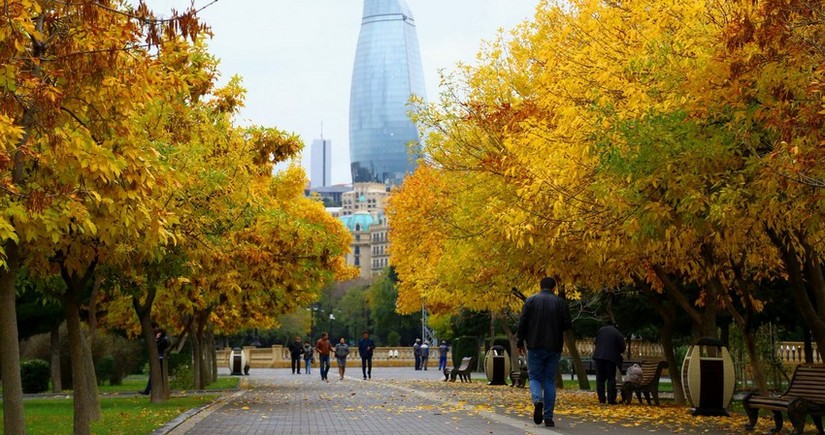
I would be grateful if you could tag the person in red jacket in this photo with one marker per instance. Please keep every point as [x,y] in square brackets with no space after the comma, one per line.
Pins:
[323,347]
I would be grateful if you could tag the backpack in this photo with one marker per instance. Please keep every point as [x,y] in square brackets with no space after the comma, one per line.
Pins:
[634,374]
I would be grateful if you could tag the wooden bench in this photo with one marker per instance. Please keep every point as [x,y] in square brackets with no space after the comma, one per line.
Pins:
[462,372]
[805,396]
[520,376]
[651,372]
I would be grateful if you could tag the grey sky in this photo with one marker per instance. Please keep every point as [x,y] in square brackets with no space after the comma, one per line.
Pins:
[296,57]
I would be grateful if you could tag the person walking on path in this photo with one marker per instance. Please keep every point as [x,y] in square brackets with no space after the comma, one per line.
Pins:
[609,346]
[323,347]
[541,326]
[296,348]
[443,348]
[162,342]
[425,354]
[365,349]
[307,355]
[341,352]
[417,353]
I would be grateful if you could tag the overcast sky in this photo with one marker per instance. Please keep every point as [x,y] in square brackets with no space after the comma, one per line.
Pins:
[296,56]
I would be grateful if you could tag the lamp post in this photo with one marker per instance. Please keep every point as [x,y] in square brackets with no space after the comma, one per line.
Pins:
[312,311]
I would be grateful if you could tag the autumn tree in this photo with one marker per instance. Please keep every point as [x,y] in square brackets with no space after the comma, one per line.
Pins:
[76,168]
[666,145]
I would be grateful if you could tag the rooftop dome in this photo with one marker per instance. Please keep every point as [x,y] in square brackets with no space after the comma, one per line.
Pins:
[358,221]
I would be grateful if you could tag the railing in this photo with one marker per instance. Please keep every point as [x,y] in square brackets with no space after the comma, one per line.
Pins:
[790,353]
[636,349]
[278,356]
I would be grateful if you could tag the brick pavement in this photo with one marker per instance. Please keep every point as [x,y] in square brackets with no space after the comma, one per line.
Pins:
[274,401]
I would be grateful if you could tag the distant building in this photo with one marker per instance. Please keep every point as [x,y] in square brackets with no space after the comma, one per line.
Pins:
[387,71]
[362,212]
[320,163]
[332,196]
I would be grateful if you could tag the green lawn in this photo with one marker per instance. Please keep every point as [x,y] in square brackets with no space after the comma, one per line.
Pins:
[132,415]
[134,383]
[120,415]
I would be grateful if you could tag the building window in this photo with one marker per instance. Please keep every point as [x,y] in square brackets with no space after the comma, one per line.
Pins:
[357,250]
[357,261]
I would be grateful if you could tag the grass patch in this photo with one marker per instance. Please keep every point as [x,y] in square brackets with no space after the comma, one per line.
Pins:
[119,415]
[133,415]
[134,383]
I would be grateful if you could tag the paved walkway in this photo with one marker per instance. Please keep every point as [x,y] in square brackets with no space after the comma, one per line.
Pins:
[278,402]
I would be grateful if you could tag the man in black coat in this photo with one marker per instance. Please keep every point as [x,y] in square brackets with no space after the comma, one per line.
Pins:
[296,348]
[608,356]
[544,318]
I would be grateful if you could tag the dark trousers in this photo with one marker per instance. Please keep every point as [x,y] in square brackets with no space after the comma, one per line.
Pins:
[296,363]
[606,377]
[148,388]
[366,366]
[323,364]
[418,362]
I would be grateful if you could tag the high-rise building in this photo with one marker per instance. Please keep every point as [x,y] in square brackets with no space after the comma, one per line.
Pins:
[386,73]
[320,163]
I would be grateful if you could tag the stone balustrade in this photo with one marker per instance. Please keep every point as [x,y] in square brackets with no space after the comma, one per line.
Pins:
[790,353]
[278,357]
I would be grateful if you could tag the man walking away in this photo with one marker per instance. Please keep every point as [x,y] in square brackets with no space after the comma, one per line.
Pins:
[425,354]
[323,347]
[417,353]
[296,348]
[443,348]
[609,346]
[365,350]
[544,318]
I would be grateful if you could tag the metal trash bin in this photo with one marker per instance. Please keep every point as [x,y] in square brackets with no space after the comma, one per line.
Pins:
[497,365]
[237,362]
[708,377]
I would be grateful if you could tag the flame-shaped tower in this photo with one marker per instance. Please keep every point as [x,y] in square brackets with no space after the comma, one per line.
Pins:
[386,73]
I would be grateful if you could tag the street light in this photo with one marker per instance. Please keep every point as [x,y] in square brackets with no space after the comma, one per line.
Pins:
[312,311]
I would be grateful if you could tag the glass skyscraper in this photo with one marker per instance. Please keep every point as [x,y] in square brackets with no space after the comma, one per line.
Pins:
[387,72]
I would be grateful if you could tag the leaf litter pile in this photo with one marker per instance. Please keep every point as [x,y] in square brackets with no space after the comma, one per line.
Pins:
[577,406]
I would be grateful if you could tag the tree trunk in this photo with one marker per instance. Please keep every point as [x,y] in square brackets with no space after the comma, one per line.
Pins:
[807,346]
[753,356]
[581,373]
[144,313]
[212,355]
[54,341]
[666,333]
[806,286]
[511,338]
[86,403]
[14,422]
[667,311]
[197,360]
[704,321]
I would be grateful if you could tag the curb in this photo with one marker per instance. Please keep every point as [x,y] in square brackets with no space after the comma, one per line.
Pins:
[187,420]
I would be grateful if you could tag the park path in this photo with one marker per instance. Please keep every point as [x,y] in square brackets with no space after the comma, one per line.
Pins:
[274,401]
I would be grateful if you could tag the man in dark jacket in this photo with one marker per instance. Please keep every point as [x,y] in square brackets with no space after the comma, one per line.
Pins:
[296,348]
[366,346]
[608,356]
[541,327]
